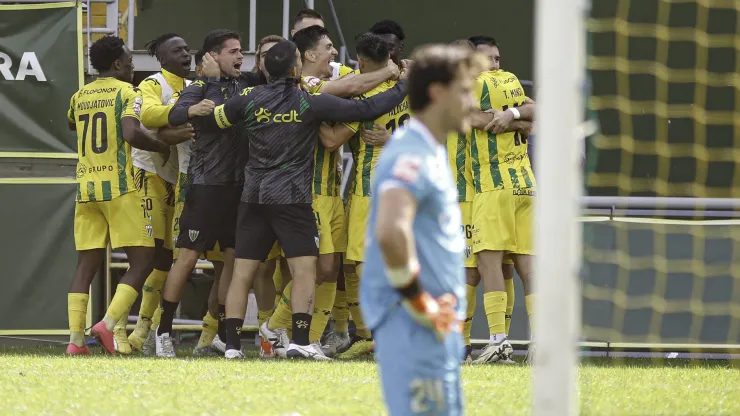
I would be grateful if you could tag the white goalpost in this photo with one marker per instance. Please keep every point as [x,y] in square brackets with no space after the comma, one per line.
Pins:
[559,81]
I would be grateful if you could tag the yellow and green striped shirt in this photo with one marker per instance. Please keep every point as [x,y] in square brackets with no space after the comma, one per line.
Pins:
[104,167]
[458,152]
[499,161]
[365,155]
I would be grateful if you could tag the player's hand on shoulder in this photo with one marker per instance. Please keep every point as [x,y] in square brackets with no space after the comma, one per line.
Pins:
[436,314]
[377,136]
[203,108]
[210,67]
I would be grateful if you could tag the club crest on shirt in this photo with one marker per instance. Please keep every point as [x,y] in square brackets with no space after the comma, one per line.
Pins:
[193,234]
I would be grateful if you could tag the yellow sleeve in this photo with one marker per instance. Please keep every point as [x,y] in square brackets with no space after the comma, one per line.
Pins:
[312,84]
[354,126]
[153,113]
[71,110]
[344,70]
[132,101]
[478,88]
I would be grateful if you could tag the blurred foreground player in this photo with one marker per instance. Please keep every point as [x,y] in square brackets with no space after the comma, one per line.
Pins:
[106,115]
[413,288]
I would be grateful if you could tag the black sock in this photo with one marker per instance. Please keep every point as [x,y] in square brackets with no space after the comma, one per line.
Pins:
[233,329]
[168,314]
[221,324]
[301,326]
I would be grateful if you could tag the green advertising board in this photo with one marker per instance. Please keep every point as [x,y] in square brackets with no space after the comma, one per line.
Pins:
[40,68]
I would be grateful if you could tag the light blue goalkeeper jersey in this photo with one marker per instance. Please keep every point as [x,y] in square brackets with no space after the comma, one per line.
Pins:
[413,160]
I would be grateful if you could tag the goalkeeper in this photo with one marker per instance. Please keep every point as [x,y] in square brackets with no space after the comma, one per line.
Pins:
[413,289]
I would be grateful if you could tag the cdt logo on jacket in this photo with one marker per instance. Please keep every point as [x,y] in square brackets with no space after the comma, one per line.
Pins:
[263,116]
[29,66]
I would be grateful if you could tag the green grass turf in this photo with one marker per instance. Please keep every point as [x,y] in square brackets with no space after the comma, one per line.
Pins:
[41,380]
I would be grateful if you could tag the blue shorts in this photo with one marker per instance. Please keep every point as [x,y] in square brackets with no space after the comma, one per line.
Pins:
[419,374]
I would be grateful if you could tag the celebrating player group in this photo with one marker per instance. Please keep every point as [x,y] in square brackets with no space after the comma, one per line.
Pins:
[244,169]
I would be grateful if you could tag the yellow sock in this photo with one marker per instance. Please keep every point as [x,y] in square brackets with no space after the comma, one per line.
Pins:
[510,296]
[151,293]
[283,316]
[340,312]
[210,329]
[157,316]
[325,294]
[263,316]
[120,305]
[77,314]
[495,306]
[470,296]
[277,279]
[529,303]
[352,287]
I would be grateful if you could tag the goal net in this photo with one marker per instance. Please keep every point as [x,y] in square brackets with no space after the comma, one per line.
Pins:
[659,243]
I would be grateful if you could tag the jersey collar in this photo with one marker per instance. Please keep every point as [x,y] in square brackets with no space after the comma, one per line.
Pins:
[172,79]
[419,127]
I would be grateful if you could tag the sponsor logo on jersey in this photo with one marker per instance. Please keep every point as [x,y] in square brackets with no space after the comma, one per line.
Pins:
[262,115]
[137,105]
[198,83]
[512,157]
[29,66]
[407,168]
[468,252]
[311,81]
[524,192]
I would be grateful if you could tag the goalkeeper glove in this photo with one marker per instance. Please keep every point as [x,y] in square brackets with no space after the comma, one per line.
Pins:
[436,314]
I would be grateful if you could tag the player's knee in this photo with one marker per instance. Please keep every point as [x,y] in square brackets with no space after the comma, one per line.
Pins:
[508,271]
[162,259]
[326,269]
[188,257]
[472,276]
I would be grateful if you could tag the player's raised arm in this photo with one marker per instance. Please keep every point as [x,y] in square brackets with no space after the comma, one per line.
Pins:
[355,84]
[329,108]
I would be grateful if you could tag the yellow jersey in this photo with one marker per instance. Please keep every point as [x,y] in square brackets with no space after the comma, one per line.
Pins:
[327,175]
[104,167]
[499,161]
[366,156]
[458,152]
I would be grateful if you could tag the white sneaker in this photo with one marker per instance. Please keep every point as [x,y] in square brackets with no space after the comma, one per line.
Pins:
[233,354]
[494,352]
[310,352]
[164,346]
[150,344]
[507,361]
[278,339]
[218,345]
[336,343]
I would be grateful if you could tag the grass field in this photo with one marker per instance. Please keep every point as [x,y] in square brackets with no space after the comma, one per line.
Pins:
[41,380]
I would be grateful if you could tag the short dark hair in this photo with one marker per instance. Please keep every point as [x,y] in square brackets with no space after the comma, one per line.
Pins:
[308,38]
[307,14]
[280,59]
[464,43]
[153,45]
[199,57]
[388,27]
[438,64]
[371,46]
[483,40]
[215,39]
[105,51]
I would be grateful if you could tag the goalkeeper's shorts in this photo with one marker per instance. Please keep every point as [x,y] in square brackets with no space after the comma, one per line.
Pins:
[418,374]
